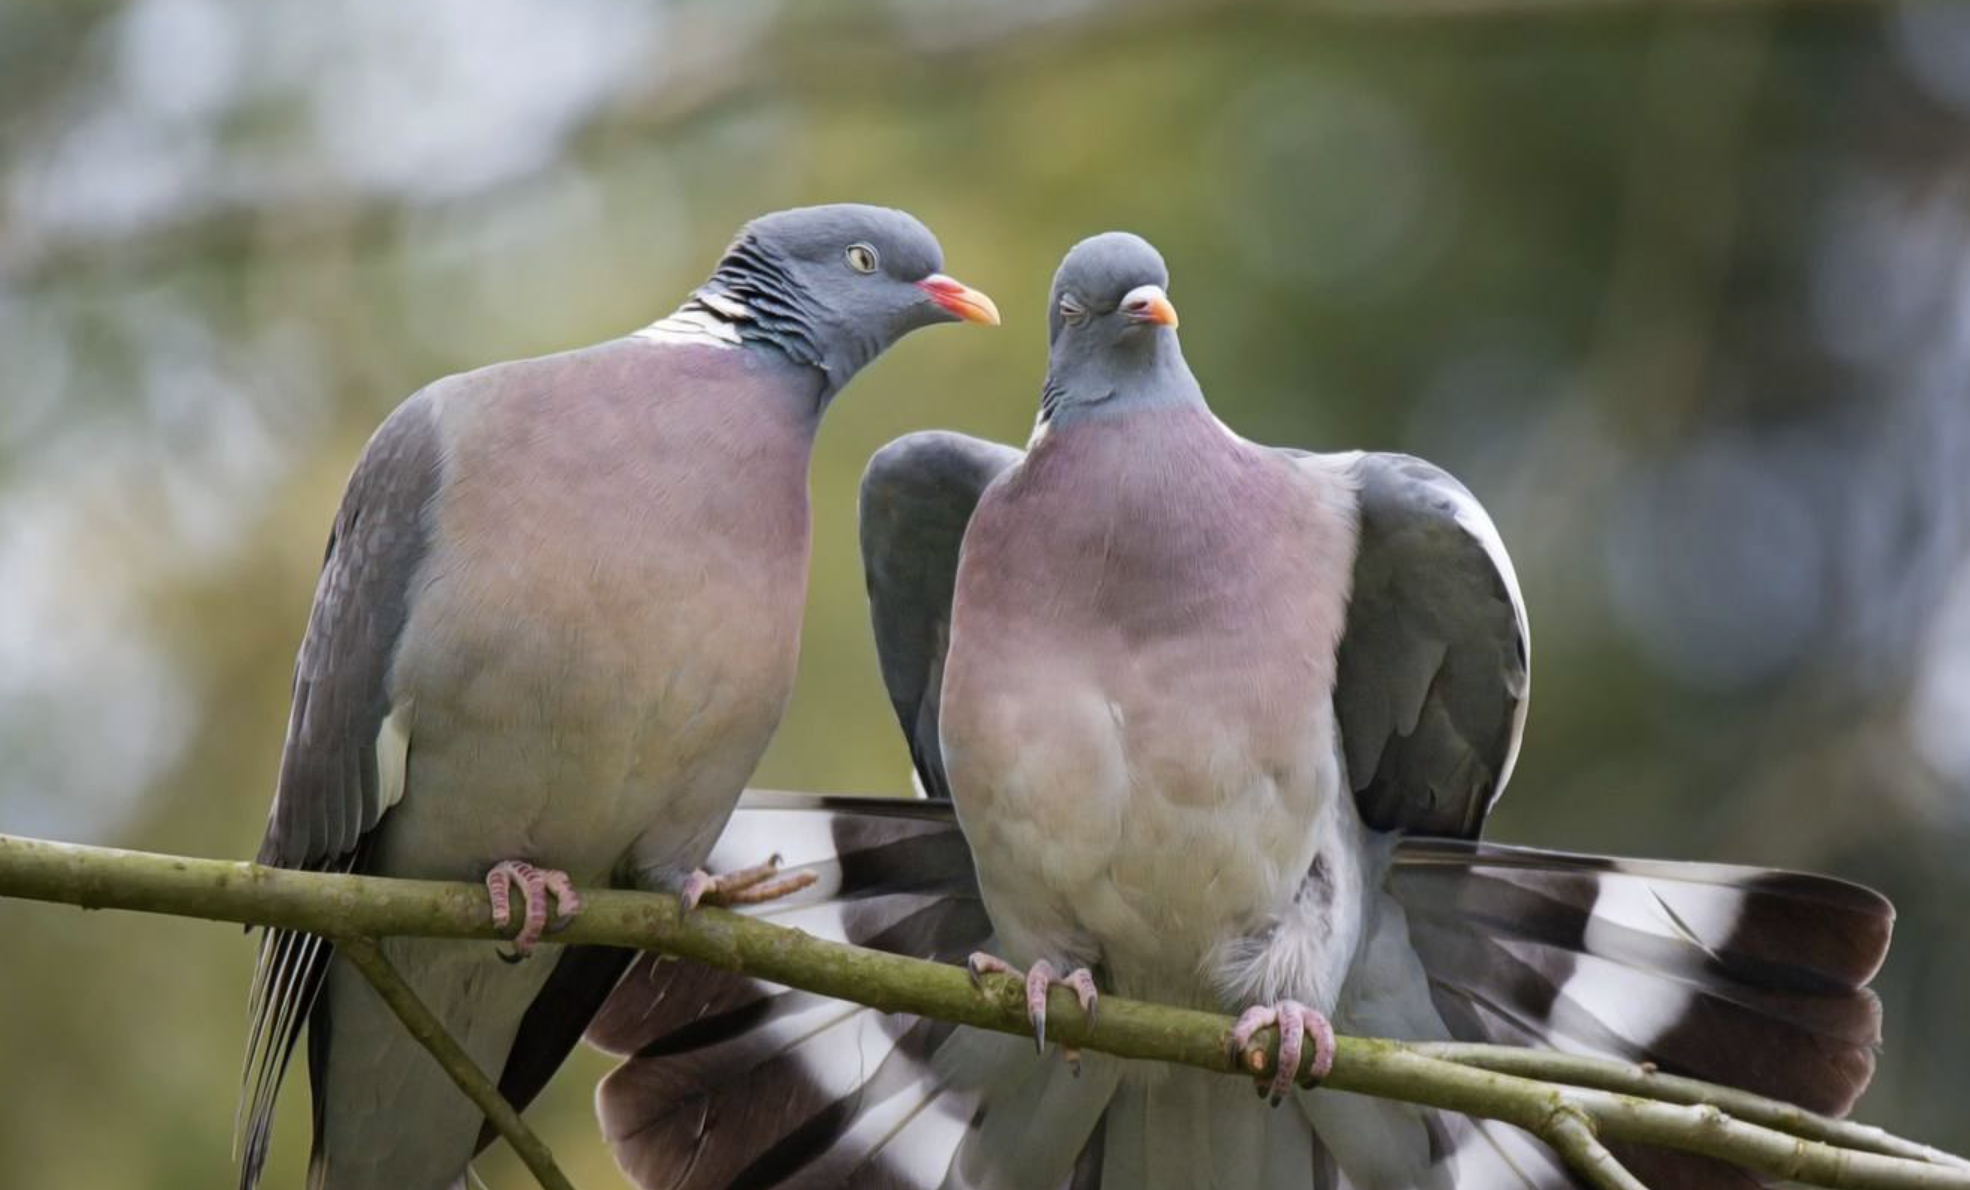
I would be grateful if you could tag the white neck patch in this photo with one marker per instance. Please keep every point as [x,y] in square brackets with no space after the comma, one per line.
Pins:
[696,322]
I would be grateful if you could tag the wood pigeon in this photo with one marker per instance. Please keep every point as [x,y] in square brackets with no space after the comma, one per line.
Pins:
[556,626]
[1220,724]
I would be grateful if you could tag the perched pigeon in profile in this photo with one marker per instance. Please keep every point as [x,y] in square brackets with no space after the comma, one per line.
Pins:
[1222,724]
[557,624]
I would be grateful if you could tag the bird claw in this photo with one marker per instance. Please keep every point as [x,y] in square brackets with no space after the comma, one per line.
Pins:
[1039,979]
[1296,1022]
[747,886]
[981,964]
[536,886]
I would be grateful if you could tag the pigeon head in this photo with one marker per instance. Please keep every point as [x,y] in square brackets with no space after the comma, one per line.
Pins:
[835,286]
[1113,330]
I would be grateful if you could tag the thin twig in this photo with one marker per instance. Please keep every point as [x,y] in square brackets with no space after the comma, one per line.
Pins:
[376,907]
[367,957]
[1628,1078]
[1572,1137]
[1371,1066]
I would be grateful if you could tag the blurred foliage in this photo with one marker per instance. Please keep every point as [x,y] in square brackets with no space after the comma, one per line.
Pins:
[1683,295]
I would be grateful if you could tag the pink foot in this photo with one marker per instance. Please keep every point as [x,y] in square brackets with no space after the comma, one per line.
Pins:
[747,886]
[1039,980]
[1296,1022]
[535,885]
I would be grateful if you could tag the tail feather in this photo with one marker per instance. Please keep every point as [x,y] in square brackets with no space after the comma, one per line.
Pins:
[287,979]
[794,1104]
[898,1131]
[732,1081]
[1731,974]
[1785,930]
[1660,1169]
[1751,978]
[285,998]
[1032,1117]
[1737,975]
[1181,1129]
[1487,1155]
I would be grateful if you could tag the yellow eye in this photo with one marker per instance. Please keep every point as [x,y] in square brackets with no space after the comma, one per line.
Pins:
[861,258]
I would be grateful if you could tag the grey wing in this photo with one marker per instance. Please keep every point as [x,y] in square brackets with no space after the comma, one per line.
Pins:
[334,783]
[918,495]
[340,769]
[1435,661]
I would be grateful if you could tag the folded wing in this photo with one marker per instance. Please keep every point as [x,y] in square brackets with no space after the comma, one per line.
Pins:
[343,764]
[917,498]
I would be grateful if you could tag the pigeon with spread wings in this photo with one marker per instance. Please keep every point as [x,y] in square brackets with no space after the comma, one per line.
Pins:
[1221,724]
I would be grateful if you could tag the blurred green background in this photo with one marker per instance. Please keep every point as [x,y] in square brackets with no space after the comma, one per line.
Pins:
[1683,294]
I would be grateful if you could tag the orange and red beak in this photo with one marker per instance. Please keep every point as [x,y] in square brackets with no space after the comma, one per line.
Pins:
[1148,303]
[960,299]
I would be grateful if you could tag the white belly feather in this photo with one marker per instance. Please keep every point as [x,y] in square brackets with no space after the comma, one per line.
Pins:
[1181,867]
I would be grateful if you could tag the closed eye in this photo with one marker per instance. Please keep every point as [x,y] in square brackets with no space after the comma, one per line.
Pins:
[1071,310]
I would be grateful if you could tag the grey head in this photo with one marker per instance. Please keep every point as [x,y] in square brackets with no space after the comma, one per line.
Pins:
[835,286]
[1113,332]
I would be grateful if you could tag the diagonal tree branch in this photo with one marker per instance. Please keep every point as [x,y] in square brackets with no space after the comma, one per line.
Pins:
[1781,1143]
[418,1019]
[1572,1137]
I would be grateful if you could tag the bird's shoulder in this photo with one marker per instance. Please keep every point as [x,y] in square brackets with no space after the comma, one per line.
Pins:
[623,365]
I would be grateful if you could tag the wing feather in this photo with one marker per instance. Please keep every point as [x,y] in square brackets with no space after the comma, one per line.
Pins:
[917,499]
[1435,663]
[343,764]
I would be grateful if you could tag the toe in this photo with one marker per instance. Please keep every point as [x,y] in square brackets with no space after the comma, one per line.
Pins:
[770,890]
[1082,981]
[1249,1023]
[1292,1039]
[980,964]
[696,885]
[499,888]
[536,906]
[1322,1031]
[736,882]
[1038,980]
[567,902]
